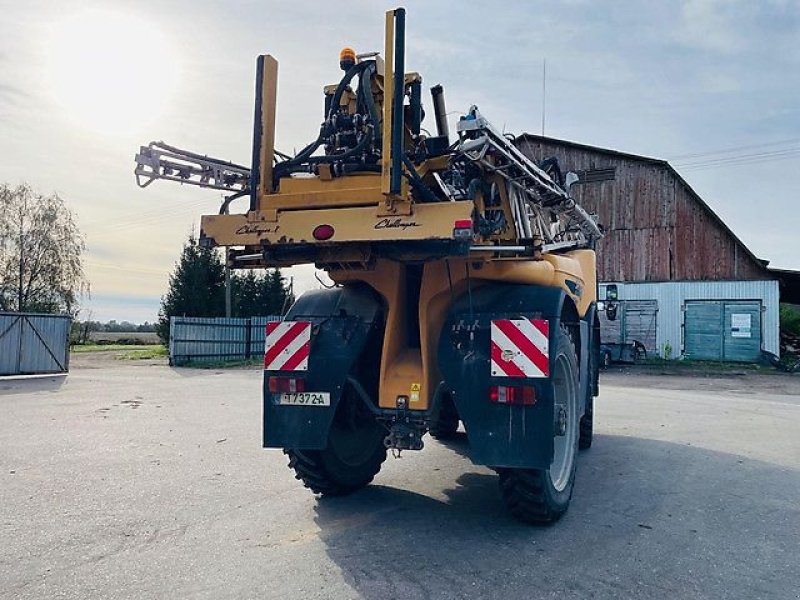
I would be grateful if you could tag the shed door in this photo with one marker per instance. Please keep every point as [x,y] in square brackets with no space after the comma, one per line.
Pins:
[723,330]
[640,323]
[742,330]
[636,321]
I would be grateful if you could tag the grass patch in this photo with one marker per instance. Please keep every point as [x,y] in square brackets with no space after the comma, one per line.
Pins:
[144,353]
[158,349]
[105,347]
[221,364]
[687,363]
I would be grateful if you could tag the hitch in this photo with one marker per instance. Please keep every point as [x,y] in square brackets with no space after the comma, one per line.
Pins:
[404,436]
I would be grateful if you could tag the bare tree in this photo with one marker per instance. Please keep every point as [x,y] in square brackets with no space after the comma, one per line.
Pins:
[40,253]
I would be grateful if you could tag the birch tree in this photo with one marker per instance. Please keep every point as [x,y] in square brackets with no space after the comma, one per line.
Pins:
[41,249]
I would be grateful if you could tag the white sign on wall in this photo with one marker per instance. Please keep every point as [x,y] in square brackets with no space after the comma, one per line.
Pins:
[740,325]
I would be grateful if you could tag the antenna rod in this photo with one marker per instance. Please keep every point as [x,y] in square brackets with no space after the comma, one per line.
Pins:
[544,89]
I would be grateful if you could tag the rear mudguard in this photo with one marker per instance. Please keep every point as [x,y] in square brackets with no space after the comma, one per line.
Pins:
[502,435]
[346,322]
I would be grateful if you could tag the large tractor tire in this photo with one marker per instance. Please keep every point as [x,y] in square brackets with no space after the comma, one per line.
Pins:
[353,456]
[444,423]
[543,495]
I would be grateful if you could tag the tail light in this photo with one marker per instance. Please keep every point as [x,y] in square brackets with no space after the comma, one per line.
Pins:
[280,385]
[323,232]
[462,229]
[512,394]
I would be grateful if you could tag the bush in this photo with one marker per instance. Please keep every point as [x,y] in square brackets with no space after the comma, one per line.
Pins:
[790,319]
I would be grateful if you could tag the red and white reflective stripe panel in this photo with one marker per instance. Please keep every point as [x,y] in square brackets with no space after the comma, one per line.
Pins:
[287,346]
[520,348]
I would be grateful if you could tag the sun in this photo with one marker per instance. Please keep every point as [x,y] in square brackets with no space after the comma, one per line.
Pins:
[110,72]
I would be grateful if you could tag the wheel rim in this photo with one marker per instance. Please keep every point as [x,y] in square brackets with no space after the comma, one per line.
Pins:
[566,398]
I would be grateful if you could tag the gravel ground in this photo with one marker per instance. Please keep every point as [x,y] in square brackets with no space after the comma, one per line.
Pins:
[129,479]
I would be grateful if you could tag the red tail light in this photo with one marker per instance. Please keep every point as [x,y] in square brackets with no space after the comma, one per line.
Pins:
[323,232]
[511,394]
[462,229]
[280,385]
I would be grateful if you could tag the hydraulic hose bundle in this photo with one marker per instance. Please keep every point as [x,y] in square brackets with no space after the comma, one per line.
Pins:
[365,130]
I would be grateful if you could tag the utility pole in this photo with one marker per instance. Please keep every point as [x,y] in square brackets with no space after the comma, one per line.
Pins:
[227,285]
[227,276]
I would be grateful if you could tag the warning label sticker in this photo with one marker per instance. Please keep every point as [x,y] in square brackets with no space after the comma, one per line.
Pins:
[414,396]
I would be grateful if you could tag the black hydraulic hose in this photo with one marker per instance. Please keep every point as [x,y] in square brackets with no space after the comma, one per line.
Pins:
[223,210]
[344,169]
[337,95]
[360,168]
[329,158]
[366,91]
[416,181]
[306,152]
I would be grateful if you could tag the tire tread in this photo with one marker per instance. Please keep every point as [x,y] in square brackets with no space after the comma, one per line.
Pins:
[310,469]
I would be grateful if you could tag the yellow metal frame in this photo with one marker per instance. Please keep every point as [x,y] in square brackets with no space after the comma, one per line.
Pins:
[404,368]
[357,224]
[269,99]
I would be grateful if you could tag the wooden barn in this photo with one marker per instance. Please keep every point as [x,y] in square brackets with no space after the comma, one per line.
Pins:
[688,287]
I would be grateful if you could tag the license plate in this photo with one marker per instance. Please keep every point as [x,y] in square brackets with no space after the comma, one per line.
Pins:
[305,399]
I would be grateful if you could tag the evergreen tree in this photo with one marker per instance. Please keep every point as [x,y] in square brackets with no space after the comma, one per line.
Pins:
[245,294]
[196,287]
[276,293]
[256,295]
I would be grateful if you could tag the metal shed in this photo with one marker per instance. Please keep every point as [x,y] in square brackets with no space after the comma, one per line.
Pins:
[710,320]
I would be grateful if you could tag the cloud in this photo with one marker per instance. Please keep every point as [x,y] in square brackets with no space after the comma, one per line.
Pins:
[11,97]
[709,25]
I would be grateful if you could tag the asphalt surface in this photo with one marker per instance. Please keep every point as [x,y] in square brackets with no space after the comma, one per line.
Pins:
[135,481]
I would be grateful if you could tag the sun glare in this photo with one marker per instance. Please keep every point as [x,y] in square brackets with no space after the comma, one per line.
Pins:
[110,72]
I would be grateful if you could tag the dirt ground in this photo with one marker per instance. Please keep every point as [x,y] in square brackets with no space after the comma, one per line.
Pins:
[130,479]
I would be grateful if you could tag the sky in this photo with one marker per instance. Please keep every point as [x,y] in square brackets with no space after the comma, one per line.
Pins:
[711,86]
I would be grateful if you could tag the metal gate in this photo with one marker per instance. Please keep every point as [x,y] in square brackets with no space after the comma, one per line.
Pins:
[32,344]
[722,330]
[636,321]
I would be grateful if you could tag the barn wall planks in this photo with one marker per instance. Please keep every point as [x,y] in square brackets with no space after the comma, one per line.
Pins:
[657,228]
